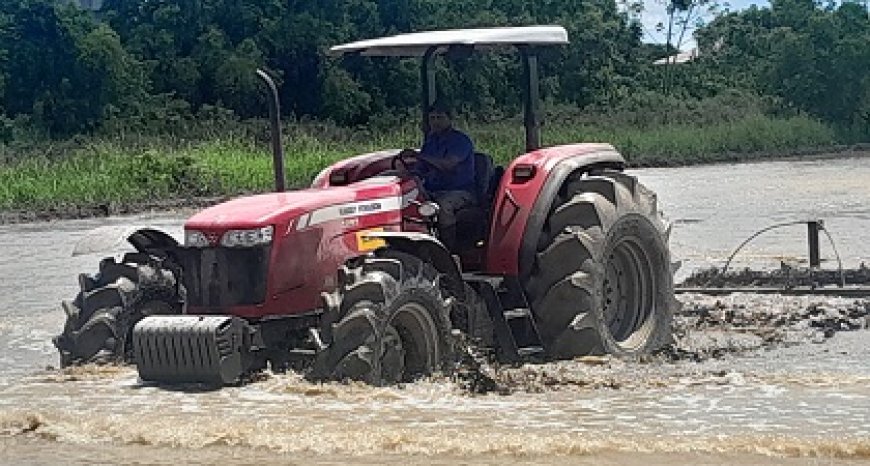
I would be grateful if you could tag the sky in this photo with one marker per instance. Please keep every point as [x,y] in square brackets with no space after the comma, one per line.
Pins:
[655,12]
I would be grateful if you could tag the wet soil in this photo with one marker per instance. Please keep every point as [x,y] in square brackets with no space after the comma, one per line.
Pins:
[705,328]
[710,327]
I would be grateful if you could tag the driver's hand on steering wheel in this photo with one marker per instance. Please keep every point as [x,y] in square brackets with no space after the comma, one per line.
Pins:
[405,159]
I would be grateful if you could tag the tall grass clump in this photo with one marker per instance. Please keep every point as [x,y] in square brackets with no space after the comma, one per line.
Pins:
[750,138]
[143,168]
[95,176]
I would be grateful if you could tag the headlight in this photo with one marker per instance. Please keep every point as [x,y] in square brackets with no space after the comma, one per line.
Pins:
[195,239]
[428,209]
[247,238]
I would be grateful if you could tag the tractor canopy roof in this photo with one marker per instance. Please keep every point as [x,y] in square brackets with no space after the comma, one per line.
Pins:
[418,43]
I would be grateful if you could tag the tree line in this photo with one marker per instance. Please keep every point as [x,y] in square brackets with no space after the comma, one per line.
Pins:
[66,71]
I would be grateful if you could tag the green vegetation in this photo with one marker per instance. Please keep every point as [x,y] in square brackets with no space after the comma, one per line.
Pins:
[148,64]
[107,172]
[157,99]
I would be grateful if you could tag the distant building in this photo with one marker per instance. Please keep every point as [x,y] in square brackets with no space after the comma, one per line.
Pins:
[691,55]
[677,58]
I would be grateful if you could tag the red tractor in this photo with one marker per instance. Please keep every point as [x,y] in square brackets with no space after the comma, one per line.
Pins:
[562,255]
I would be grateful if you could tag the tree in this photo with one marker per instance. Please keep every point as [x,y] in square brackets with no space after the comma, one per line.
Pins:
[815,59]
[63,67]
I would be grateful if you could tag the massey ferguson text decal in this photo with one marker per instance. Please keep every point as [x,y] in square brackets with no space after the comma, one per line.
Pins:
[350,210]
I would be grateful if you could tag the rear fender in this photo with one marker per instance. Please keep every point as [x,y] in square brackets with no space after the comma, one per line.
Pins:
[521,206]
[428,249]
[111,238]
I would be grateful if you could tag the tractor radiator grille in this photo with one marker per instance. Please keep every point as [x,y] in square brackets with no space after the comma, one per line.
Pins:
[222,277]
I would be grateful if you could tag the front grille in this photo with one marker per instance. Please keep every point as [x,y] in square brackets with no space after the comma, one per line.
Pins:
[223,277]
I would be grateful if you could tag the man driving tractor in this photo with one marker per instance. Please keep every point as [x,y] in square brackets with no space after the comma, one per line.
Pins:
[445,164]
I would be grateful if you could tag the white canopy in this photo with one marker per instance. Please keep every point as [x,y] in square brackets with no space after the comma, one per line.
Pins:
[415,44]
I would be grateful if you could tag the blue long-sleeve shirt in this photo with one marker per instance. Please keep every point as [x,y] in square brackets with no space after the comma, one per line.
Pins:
[449,143]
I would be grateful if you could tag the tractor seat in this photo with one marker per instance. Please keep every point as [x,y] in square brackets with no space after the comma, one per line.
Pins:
[484,172]
[473,221]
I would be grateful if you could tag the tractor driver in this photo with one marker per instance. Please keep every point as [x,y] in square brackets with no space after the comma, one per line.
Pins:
[447,169]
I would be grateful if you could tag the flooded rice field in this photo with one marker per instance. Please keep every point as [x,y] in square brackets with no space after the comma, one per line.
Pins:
[752,379]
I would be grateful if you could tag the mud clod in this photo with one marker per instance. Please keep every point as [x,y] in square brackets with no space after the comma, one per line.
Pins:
[476,370]
[706,328]
[709,328]
[787,276]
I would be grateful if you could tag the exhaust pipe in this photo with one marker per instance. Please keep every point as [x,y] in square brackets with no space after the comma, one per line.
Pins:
[275,118]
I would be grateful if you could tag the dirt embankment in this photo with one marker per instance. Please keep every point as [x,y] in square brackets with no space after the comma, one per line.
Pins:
[71,212]
[784,277]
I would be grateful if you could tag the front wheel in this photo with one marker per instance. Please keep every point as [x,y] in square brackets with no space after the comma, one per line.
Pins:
[389,322]
[100,320]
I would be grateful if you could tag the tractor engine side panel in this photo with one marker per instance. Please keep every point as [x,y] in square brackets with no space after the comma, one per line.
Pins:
[288,277]
[520,205]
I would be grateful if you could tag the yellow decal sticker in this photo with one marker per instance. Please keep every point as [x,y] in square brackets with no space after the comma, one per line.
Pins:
[364,242]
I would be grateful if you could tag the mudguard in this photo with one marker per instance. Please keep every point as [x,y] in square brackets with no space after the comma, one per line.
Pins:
[111,238]
[521,206]
[429,249]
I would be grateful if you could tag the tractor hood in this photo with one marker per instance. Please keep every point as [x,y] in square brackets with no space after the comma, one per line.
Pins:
[280,208]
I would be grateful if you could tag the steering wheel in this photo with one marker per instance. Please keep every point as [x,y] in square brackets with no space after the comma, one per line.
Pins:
[400,158]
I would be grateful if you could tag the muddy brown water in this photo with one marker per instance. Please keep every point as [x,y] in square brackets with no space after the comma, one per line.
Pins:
[803,403]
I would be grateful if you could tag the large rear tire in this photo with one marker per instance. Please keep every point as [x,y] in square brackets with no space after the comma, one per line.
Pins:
[388,322]
[601,280]
[100,320]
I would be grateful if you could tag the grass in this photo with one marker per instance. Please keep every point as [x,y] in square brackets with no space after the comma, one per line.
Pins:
[682,144]
[135,169]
